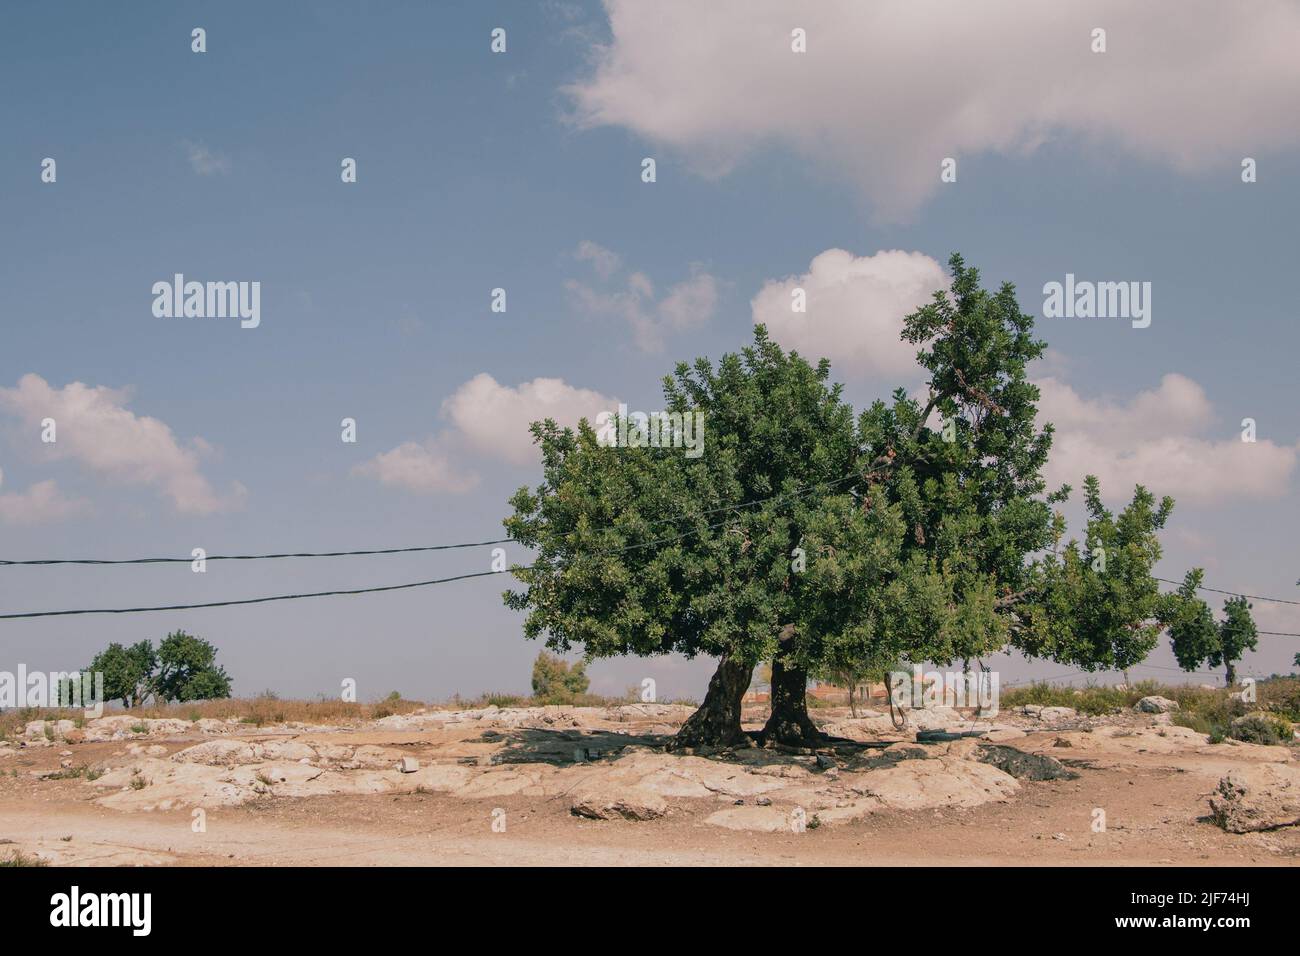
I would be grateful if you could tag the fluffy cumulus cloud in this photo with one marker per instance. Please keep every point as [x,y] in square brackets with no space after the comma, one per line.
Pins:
[40,503]
[494,418]
[631,297]
[1193,84]
[1164,438]
[96,430]
[421,467]
[854,309]
[487,420]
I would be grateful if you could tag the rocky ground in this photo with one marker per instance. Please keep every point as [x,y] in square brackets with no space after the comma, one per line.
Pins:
[595,785]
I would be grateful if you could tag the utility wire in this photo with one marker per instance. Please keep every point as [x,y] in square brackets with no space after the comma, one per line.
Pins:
[446,547]
[389,587]
[432,547]
[1253,597]
[258,557]
[261,600]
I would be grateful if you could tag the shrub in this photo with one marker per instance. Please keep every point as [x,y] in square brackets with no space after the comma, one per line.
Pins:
[1261,728]
[556,681]
[1280,696]
[19,858]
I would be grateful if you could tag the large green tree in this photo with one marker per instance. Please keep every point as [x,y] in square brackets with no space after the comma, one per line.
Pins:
[646,550]
[919,531]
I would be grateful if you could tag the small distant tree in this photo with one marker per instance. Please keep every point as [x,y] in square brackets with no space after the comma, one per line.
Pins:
[128,671]
[187,670]
[852,676]
[1198,639]
[556,680]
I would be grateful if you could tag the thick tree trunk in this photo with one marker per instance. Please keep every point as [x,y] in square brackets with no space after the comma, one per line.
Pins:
[790,723]
[717,722]
[1231,677]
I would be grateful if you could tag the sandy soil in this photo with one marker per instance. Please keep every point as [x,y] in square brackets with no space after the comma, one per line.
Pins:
[334,796]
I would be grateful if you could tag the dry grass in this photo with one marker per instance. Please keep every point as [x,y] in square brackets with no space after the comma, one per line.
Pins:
[268,708]
[259,710]
[19,858]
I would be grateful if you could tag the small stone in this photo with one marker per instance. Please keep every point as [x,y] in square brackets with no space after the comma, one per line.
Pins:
[1156,705]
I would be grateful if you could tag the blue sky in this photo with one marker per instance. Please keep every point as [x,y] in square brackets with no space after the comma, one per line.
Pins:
[479,170]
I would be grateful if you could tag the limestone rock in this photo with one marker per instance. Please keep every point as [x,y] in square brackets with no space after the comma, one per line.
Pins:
[1260,797]
[608,802]
[1156,704]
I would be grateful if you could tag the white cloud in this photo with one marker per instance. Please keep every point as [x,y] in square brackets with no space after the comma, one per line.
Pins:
[887,90]
[855,309]
[424,468]
[1157,439]
[605,263]
[487,419]
[40,503]
[203,161]
[494,418]
[686,305]
[96,430]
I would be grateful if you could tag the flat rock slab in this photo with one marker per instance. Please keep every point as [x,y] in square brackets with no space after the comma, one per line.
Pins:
[756,819]
[939,782]
[610,803]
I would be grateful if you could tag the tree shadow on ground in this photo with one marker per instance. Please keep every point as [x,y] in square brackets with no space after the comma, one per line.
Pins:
[570,746]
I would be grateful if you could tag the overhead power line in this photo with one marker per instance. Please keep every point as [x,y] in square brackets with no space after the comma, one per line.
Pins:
[431,547]
[1253,597]
[442,547]
[258,557]
[400,587]
[261,600]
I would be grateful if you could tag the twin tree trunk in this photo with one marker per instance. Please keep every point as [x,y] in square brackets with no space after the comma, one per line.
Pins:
[717,722]
[789,723]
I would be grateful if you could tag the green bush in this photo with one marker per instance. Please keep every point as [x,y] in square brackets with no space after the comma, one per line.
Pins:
[1280,696]
[556,681]
[1261,728]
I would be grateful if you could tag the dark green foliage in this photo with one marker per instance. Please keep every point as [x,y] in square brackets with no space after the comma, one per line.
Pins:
[187,670]
[1197,639]
[182,668]
[1097,606]
[833,545]
[127,671]
[1261,728]
[618,572]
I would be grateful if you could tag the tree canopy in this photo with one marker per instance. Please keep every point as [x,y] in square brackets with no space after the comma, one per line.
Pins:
[182,668]
[919,530]
[1197,639]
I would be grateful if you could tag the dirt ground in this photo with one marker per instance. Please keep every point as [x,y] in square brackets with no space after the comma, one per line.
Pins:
[550,786]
